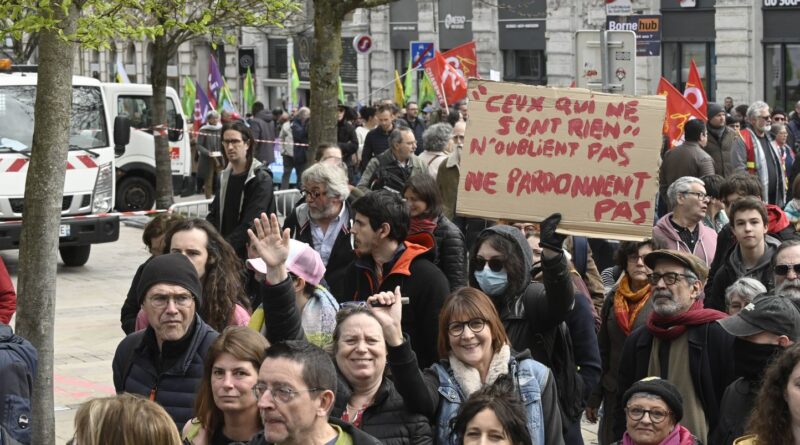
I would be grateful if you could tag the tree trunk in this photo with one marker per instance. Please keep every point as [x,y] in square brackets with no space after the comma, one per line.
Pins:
[44,188]
[325,62]
[163,163]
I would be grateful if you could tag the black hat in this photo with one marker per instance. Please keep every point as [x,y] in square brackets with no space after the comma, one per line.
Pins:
[766,313]
[170,268]
[659,387]
[713,109]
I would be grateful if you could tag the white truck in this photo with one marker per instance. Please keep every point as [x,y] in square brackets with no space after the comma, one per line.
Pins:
[89,182]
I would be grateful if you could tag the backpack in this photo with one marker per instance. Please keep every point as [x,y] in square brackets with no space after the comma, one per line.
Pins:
[18,361]
[557,345]
[389,175]
[580,254]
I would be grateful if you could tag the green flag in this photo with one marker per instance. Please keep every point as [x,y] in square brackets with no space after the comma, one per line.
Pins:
[189,94]
[426,91]
[248,92]
[295,83]
[408,84]
[341,91]
[225,101]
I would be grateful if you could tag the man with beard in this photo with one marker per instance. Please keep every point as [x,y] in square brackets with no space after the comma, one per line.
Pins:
[680,342]
[720,140]
[324,220]
[786,271]
[762,330]
[754,153]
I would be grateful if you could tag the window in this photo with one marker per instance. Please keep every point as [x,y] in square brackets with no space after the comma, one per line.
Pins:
[781,75]
[526,66]
[676,57]
[140,112]
[277,61]
[401,60]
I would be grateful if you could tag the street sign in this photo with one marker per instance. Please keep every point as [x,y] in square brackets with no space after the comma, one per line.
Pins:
[606,61]
[646,27]
[362,43]
[421,52]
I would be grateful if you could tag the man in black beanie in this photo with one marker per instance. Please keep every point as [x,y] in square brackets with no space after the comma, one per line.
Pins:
[164,362]
[720,140]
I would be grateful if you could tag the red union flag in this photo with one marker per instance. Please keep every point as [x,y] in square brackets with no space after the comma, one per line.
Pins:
[679,111]
[449,84]
[694,91]
[464,59]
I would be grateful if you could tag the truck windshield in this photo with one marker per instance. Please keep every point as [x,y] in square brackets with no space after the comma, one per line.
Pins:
[87,128]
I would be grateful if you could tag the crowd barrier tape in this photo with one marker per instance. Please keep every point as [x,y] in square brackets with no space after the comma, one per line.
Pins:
[161,129]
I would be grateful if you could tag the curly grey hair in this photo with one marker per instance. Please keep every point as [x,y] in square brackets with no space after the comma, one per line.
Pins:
[437,136]
[755,109]
[747,288]
[334,178]
[681,185]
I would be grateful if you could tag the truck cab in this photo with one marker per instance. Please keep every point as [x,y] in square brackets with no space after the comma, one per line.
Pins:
[136,167]
[89,182]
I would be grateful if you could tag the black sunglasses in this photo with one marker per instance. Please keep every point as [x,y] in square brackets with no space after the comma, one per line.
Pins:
[783,269]
[496,264]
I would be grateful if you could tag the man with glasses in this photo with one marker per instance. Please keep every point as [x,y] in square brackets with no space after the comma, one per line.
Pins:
[680,342]
[754,153]
[683,228]
[324,220]
[786,271]
[164,362]
[415,123]
[245,188]
[391,169]
[687,159]
[296,391]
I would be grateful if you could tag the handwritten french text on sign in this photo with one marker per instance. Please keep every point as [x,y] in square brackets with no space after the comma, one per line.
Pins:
[531,151]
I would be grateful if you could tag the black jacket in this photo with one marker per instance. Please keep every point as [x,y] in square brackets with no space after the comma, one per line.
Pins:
[451,252]
[171,375]
[387,418]
[299,224]
[257,198]
[346,138]
[131,307]
[419,279]
[737,404]
[375,143]
[263,129]
[710,364]
[359,437]
[300,139]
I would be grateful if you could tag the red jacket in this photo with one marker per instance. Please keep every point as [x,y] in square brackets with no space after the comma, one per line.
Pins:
[8,298]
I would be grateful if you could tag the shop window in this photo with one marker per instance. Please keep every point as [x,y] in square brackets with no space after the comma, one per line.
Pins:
[676,57]
[782,75]
[526,66]
[277,62]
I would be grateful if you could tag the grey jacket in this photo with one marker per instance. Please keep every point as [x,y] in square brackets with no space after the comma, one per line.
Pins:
[739,160]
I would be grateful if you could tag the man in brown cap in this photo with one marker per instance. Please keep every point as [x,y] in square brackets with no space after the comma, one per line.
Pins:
[681,341]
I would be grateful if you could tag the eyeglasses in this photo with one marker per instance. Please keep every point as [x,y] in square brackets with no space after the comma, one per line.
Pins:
[458,137]
[280,394]
[496,264]
[456,329]
[161,301]
[669,278]
[700,195]
[232,141]
[313,194]
[783,269]
[765,118]
[656,415]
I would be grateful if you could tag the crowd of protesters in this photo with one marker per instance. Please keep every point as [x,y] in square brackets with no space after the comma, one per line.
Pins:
[372,313]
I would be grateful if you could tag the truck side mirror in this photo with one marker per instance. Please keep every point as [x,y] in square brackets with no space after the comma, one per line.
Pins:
[176,134]
[122,133]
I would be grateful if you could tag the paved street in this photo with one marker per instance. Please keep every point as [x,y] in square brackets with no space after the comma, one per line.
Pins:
[87,328]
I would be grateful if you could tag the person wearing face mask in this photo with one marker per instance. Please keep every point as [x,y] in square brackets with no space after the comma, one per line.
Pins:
[754,153]
[763,329]
[533,313]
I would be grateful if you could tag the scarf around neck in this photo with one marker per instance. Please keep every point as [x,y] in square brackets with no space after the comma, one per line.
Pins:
[679,436]
[672,327]
[628,303]
[469,379]
[419,225]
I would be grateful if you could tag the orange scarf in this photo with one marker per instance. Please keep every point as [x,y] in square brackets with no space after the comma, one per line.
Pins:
[628,303]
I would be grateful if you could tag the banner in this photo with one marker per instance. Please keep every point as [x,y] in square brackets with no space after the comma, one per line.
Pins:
[201,107]
[449,85]
[531,151]
[426,90]
[464,59]
[679,111]
[248,92]
[189,96]
[694,92]
[214,82]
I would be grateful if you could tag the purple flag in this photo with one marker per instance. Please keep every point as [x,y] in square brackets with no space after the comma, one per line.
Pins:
[201,106]
[214,82]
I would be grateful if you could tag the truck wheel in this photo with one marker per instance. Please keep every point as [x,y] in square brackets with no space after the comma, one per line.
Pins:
[74,256]
[135,193]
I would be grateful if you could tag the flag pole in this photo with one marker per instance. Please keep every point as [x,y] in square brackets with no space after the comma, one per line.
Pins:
[444,97]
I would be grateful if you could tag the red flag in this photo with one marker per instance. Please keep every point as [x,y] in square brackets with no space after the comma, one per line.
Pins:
[450,86]
[679,111]
[694,91]
[464,59]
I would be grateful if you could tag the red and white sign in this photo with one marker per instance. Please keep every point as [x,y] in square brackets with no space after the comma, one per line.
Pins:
[362,43]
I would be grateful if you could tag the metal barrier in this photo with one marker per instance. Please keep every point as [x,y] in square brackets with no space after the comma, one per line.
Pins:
[285,201]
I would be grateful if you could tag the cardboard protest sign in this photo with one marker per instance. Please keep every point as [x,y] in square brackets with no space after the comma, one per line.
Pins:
[531,151]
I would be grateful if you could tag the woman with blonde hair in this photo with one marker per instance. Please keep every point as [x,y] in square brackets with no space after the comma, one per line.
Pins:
[124,420]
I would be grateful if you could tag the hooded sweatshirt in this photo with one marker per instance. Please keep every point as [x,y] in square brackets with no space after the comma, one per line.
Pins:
[734,268]
[668,237]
